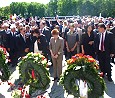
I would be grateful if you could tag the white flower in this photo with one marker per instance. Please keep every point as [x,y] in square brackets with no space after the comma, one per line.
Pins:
[0,73]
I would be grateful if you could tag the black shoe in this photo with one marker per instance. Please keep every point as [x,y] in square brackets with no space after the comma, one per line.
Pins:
[110,79]
[54,79]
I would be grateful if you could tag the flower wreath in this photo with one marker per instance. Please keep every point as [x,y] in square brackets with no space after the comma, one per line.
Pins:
[82,67]
[33,72]
[4,70]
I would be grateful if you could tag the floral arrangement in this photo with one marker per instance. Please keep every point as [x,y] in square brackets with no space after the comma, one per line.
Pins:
[33,72]
[4,70]
[85,68]
[16,94]
[20,92]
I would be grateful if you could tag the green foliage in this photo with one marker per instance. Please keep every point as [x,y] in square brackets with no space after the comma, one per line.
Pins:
[83,68]
[3,66]
[5,11]
[52,8]
[36,9]
[37,63]
[61,7]
[16,94]
[67,7]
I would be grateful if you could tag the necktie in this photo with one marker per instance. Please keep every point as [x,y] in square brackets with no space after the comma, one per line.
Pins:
[12,34]
[24,38]
[41,31]
[102,43]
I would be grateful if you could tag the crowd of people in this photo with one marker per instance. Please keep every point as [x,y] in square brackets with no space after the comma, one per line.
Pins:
[94,36]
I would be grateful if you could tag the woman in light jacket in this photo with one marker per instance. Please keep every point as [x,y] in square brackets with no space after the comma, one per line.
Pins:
[56,49]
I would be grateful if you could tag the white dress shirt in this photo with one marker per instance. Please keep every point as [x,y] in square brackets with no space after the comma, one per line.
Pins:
[101,40]
[13,33]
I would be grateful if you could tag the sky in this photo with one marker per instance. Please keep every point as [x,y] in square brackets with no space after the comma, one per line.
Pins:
[8,2]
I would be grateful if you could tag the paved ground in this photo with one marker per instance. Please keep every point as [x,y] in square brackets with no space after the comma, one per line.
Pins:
[55,90]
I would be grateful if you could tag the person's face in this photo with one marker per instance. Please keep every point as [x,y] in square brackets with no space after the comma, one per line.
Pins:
[65,24]
[27,29]
[79,25]
[71,28]
[76,25]
[13,29]
[100,29]
[61,23]
[55,36]
[20,26]
[5,27]
[33,23]
[23,31]
[17,24]
[41,26]
[89,29]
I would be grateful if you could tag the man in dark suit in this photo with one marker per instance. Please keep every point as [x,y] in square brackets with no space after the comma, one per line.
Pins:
[11,45]
[45,31]
[113,31]
[105,49]
[3,34]
[2,38]
[22,43]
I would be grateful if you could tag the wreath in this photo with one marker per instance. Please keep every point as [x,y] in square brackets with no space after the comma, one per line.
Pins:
[33,72]
[85,68]
[4,70]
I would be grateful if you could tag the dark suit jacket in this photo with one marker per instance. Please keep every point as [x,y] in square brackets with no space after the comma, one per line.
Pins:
[11,42]
[3,37]
[108,43]
[47,33]
[113,31]
[43,45]
[31,40]
[21,45]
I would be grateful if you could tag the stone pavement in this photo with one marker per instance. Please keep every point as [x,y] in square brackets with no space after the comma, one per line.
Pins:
[56,90]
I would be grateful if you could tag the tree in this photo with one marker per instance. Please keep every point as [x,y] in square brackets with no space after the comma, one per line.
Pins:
[52,7]
[36,9]
[67,7]
[61,7]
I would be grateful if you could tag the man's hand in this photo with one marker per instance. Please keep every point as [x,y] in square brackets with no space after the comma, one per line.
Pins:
[72,49]
[56,56]
[27,50]
[68,49]
[111,55]
[8,49]
[91,42]
[52,55]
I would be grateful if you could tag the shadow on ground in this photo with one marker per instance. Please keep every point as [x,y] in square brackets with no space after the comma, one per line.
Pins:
[56,91]
[2,96]
[110,89]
